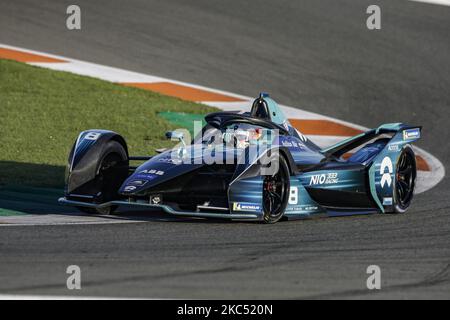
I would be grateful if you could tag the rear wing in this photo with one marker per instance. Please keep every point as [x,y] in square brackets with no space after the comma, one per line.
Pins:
[402,133]
[382,164]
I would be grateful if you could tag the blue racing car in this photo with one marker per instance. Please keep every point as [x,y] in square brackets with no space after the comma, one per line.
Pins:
[247,166]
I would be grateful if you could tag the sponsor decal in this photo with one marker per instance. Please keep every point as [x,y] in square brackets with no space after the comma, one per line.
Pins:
[170,160]
[305,209]
[244,206]
[411,134]
[130,188]
[289,144]
[286,144]
[152,171]
[155,199]
[138,183]
[387,201]
[149,174]
[325,178]
[293,195]
[393,147]
[386,178]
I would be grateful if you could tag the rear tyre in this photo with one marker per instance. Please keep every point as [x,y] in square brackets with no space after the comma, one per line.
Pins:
[276,190]
[405,180]
[112,171]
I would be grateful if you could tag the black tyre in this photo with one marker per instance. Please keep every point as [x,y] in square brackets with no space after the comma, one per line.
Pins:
[112,171]
[276,190]
[405,180]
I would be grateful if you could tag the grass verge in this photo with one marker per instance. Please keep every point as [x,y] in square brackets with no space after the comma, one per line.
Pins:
[42,111]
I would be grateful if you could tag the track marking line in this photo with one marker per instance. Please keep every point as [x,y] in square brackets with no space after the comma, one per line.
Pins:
[438,2]
[45,297]
[61,219]
[22,56]
[97,71]
[183,92]
[73,223]
[323,127]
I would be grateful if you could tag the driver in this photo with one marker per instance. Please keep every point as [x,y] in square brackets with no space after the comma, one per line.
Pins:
[242,138]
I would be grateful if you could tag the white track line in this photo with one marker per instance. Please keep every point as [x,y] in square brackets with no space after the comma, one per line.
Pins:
[439,2]
[59,220]
[97,71]
[45,297]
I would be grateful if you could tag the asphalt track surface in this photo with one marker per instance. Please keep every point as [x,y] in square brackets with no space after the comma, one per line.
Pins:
[317,55]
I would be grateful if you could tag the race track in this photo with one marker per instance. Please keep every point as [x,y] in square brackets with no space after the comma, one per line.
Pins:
[317,55]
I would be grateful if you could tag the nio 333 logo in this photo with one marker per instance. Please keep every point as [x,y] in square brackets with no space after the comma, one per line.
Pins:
[325,178]
[386,177]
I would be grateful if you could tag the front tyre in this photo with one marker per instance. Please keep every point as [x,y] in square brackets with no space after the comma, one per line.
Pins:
[405,180]
[112,171]
[276,190]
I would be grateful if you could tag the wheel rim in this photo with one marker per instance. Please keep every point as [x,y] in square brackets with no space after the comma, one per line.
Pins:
[274,193]
[405,179]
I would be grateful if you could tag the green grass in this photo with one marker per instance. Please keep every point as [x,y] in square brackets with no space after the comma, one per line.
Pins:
[42,112]
[184,120]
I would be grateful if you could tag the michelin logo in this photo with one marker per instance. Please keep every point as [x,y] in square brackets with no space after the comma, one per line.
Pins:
[411,134]
[243,206]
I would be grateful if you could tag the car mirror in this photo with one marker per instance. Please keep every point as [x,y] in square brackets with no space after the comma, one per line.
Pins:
[175,135]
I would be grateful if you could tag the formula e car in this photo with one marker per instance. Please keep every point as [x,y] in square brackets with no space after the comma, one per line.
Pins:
[247,166]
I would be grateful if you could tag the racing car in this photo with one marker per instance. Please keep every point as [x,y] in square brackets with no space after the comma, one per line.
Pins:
[247,166]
